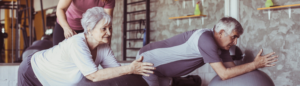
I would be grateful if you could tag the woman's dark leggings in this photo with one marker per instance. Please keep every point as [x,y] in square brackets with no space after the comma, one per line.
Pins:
[58,34]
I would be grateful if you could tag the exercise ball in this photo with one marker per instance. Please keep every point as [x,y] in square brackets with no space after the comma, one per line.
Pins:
[253,78]
[125,80]
[37,46]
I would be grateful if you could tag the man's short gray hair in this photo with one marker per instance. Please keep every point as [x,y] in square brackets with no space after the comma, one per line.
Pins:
[92,16]
[228,24]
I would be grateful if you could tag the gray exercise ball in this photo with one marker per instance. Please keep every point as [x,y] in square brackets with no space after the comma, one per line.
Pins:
[253,78]
[37,46]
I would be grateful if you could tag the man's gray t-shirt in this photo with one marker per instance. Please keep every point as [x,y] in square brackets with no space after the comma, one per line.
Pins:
[183,53]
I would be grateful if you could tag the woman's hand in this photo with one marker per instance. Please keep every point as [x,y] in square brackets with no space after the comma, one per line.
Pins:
[61,9]
[68,32]
[140,67]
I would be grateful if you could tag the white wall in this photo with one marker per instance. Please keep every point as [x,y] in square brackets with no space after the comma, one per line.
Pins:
[46,4]
[2,14]
[37,6]
[232,8]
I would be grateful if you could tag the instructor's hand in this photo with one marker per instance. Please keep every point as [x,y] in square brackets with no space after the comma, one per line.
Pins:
[68,32]
[266,60]
[140,67]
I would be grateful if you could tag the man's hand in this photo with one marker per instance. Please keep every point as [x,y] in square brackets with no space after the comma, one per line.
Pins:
[265,61]
[141,68]
[233,71]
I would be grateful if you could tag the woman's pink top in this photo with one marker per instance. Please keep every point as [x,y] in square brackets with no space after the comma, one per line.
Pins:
[78,7]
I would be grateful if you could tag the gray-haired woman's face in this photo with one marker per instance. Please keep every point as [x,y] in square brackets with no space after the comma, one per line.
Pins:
[101,32]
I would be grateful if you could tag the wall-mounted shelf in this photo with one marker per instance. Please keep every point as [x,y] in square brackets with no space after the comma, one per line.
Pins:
[190,16]
[185,0]
[279,7]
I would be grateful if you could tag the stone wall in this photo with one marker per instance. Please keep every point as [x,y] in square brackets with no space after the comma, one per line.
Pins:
[280,34]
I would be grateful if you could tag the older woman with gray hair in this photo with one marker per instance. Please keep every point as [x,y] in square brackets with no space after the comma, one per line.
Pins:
[78,57]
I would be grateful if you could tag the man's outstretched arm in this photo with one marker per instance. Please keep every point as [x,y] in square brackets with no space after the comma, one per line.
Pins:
[231,70]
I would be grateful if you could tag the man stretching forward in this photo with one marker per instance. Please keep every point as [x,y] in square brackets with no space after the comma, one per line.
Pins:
[183,53]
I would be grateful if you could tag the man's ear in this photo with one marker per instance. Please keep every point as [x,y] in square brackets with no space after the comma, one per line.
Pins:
[89,29]
[221,32]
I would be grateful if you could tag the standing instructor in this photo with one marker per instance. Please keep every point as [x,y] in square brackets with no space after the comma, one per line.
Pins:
[69,14]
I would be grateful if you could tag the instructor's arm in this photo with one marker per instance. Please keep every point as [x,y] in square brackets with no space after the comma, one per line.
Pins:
[231,70]
[136,67]
[61,9]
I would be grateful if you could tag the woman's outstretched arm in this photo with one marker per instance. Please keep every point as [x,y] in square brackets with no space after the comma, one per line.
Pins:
[136,67]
